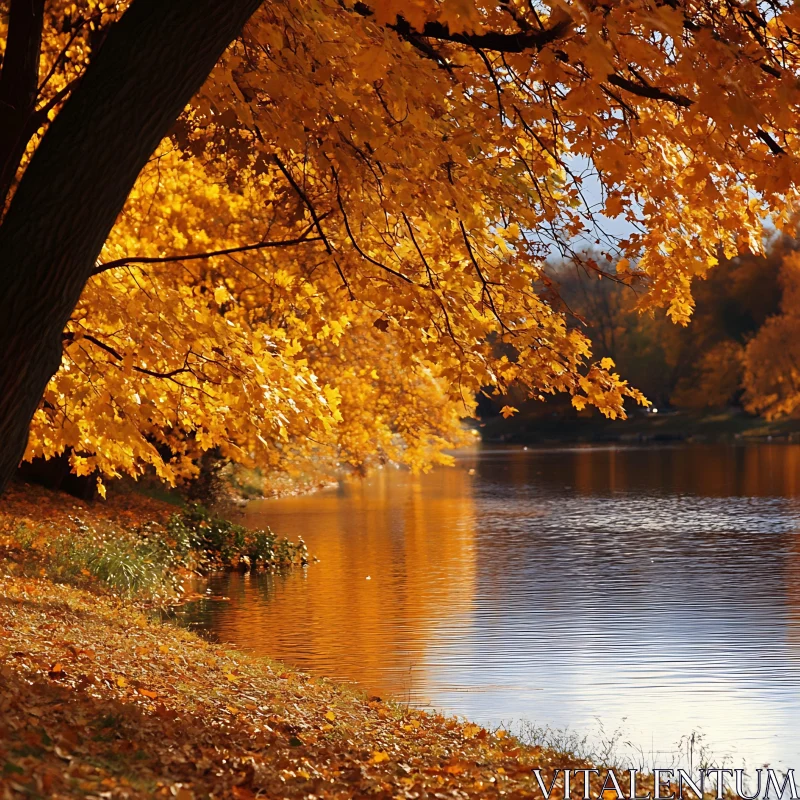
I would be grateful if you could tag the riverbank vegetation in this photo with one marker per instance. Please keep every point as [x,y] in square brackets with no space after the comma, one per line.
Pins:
[131,545]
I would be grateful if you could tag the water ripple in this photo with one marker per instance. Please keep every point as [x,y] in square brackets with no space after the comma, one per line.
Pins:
[655,590]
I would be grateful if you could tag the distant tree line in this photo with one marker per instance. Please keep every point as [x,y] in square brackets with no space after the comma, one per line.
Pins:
[738,350]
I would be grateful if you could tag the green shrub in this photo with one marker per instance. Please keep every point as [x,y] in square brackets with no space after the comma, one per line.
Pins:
[132,568]
[220,542]
[126,562]
[149,561]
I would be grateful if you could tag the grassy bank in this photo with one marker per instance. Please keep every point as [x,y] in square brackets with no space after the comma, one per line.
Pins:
[131,545]
[101,699]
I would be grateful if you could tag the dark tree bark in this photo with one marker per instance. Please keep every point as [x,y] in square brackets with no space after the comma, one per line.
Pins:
[150,65]
[18,85]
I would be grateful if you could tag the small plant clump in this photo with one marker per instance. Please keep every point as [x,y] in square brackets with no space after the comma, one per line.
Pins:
[223,544]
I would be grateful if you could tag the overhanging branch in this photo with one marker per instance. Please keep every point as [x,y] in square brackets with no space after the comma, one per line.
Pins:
[123,262]
[70,337]
[516,42]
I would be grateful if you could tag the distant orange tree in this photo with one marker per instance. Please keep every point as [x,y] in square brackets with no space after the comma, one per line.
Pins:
[705,364]
[771,359]
[275,227]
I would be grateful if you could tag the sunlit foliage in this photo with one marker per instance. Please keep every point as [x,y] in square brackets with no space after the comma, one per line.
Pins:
[391,177]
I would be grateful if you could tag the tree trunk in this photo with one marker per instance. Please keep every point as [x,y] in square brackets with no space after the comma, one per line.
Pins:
[149,67]
[18,83]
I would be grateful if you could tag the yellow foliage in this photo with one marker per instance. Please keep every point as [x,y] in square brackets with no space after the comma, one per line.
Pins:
[379,195]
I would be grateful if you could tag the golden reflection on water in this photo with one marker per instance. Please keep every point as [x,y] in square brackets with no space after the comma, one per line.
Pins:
[657,589]
[399,579]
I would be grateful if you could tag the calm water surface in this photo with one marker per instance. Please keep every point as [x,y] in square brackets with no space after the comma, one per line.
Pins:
[656,590]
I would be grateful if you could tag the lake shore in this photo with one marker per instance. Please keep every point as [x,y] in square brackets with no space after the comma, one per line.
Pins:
[100,698]
[732,426]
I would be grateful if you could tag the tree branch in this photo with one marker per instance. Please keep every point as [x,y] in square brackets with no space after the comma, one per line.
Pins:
[491,40]
[70,337]
[527,38]
[122,262]
[774,147]
[352,238]
[486,292]
[18,80]
[306,202]
[38,117]
[316,217]
[651,92]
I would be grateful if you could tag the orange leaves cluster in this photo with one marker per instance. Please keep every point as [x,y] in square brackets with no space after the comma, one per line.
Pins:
[771,358]
[402,172]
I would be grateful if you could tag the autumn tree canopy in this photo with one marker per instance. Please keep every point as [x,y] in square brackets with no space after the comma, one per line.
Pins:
[342,237]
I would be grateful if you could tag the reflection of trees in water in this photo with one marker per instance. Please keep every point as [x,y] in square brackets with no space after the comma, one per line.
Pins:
[412,536]
[760,470]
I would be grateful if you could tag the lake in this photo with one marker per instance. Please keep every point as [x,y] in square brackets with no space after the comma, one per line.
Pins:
[642,594]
